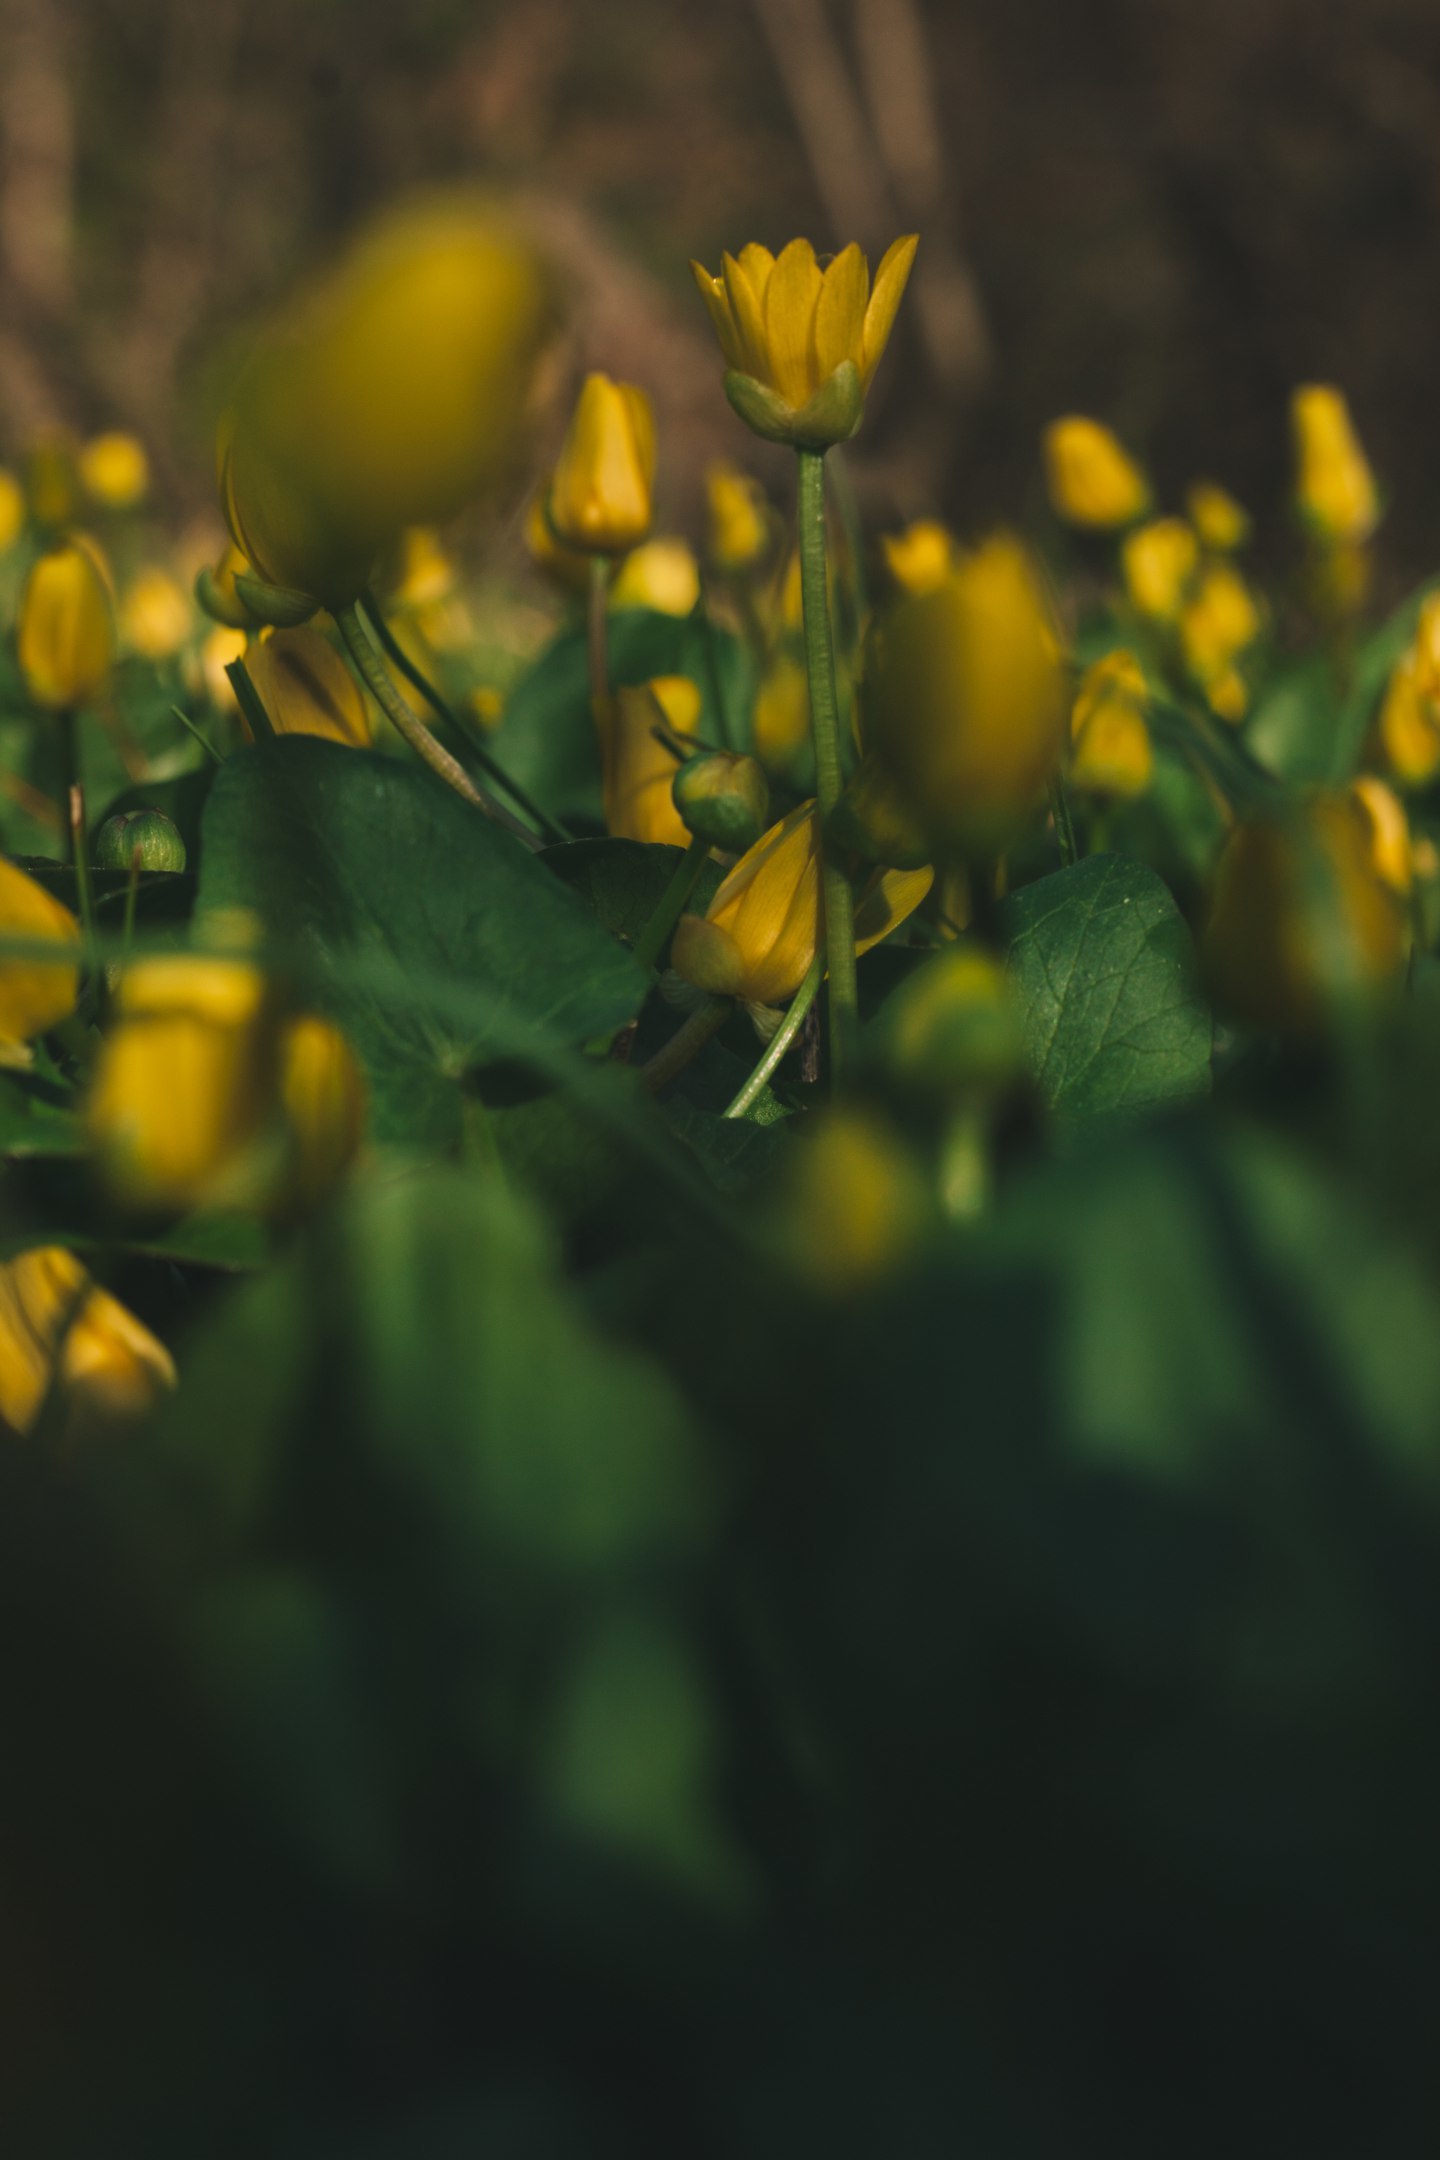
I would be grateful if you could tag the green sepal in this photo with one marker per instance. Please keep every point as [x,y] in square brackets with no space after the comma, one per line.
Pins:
[831,416]
[213,600]
[278,605]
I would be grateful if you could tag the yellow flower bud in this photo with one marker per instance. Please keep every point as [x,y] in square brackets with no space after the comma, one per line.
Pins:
[757,938]
[921,557]
[115,471]
[739,517]
[781,724]
[637,771]
[12,510]
[1410,714]
[1158,561]
[722,799]
[322,1091]
[34,997]
[1387,831]
[307,688]
[183,1101]
[854,1204]
[66,630]
[1092,480]
[1217,622]
[50,481]
[156,616]
[57,1330]
[1221,522]
[565,567]
[964,698]
[801,342]
[1334,486]
[600,497]
[1111,749]
[1300,916]
[661,574]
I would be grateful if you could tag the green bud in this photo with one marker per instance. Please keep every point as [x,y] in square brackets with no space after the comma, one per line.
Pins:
[278,605]
[873,821]
[831,416]
[950,1027]
[723,799]
[146,833]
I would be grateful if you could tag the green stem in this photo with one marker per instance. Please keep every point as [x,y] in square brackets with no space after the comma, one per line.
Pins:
[248,698]
[667,911]
[1064,822]
[371,669]
[396,654]
[685,1044]
[75,822]
[838,906]
[204,741]
[597,641]
[781,1040]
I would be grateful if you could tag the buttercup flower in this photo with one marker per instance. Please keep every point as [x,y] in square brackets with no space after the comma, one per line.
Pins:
[1387,830]
[781,722]
[637,771]
[1410,714]
[322,1094]
[801,342]
[307,689]
[66,630]
[1111,749]
[921,557]
[58,1330]
[34,996]
[854,1204]
[1221,523]
[739,517]
[661,574]
[723,799]
[1217,623]
[115,471]
[1334,486]
[1093,481]
[600,497]
[1158,561]
[12,510]
[156,616]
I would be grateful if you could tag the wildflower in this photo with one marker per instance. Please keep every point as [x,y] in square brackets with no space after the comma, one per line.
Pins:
[637,769]
[114,471]
[921,557]
[155,615]
[662,575]
[1334,486]
[1111,751]
[424,571]
[854,1204]
[1093,481]
[218,593]
[66,631]
[307,689]
[1158,561]
[951,1026]
[322,1095]
[219,651]
[600,497]
[1387,831]
[1221,523]
[963,698]
[780,727]
[757,939]
[566,567]
[802,343]
[1410,713]
[35,996]
[57,1330]
[739,517]
[1217,623]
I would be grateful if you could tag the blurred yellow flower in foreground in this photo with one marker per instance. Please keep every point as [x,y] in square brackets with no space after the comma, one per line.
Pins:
[739,516]
[662,574]
[1158,561]
[1334,486]
[853,1205]
[307,689]
[963,698]
[1111,751]
[34,995]
[1387,830]
[1221,523]
[922,556]
[57,1329]
[1410,714]
[601,494]
[12,510]
[115,471]
[65,638]
[802,342]
[758,936]
[156,615]
[1092,479]
[637,771]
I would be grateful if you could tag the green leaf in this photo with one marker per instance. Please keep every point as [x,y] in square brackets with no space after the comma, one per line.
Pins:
[1103,970]
[389,891]
[622,881]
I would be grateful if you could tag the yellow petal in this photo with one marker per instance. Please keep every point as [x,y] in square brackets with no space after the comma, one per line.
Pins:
[840,315]
[890,282]
[748,312]
[757,262]
[642,427]
[885,903]
[712,292]
[33,996]
[791,299]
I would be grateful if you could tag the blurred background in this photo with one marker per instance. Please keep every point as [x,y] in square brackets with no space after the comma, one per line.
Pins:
[1161,213]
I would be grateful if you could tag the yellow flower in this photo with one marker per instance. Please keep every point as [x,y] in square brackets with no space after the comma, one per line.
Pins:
[57,1330]
[186,1086]
[1158,561]
[115,471]
[1301,916]
[220,649]
[802,343]
[600,497]
[757,938]
[781,723]
[1387,830]
[1221,522]
[307,689]
[854,1205]
[1334,486]
[34,996]
[1410,714]
[322,1093]
[964,698]
[661,574]
[1216,624]
[566,567]
[739,516]
[1092,480]
[12,510]
[1111,748]
[155,616]
[425,571]
[637,771]
[66,629]
[921,557]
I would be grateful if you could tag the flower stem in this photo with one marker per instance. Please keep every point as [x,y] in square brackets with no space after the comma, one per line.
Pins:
[667,910]
[75,821]
[781,1040]
[1064,822]
[686,1043]
[396,654]
[837,902]
[371,669]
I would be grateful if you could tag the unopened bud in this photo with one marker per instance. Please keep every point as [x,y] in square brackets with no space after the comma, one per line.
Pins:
[143,837]
[724,799]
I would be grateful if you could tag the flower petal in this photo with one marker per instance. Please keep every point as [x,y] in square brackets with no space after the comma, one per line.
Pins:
[712,292]
[840,315]
[887,901]
[890,282]
[749,319]
[791,299]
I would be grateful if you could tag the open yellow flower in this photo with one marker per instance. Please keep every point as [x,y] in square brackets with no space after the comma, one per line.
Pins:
[802,342]
[34,996]
[66,632]
[57,1329]
[1093,479]
[307,689]
[600,497]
